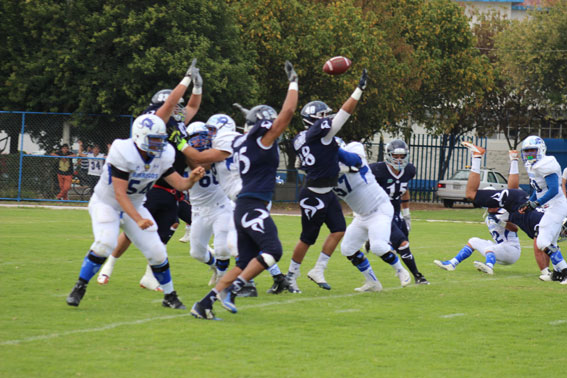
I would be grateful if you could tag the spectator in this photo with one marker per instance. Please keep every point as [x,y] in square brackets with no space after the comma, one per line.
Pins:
[83,164]
[94,166]
[64,172]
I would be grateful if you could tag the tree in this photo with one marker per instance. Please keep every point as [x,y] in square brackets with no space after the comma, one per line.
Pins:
[109,57]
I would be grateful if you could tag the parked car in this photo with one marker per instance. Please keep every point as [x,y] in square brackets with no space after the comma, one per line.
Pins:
[453,189]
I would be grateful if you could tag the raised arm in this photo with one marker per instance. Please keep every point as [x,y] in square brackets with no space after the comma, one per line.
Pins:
[165,111]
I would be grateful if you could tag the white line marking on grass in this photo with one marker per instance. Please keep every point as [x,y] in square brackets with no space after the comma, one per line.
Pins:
[557,322]
[450,221]
[296,299]
[347,310]
[448,316]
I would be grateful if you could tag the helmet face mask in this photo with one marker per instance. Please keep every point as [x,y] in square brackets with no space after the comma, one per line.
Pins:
[314,111]
[259,112]
[149,134]
[397,154]
[199,136]
[533,149]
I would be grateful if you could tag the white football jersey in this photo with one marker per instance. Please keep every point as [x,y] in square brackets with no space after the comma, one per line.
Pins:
[124,156]
[95,165]
[501,234]
[537,173]
[227,170]
[360,190]
[207,192]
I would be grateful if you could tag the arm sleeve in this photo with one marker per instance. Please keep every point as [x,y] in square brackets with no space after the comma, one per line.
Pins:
[338,121]
[115,172]
[169,171]
[552,182]
[348,158]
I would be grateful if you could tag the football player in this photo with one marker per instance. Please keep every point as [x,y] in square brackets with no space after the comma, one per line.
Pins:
[318,152]
[257,157]
[393,175]
[372,216]
[132,167]
[162,199]
[520,207]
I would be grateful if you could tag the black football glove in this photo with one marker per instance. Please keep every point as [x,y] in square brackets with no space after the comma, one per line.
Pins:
[528,206]
[291,74]
[363,79]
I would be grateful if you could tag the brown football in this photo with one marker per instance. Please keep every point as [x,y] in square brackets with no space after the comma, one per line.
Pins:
[337,65]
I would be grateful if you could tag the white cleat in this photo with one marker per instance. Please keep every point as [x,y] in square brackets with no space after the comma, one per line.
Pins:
[482,267]
[150,283]
[187,237]
[546,276]
[369,286]
[316,275]
[444,265]
[215,276]
[404,276]
[513,155]
[475,150]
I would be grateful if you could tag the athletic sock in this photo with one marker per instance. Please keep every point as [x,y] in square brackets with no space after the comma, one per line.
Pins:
[91,265]
[322,261]
[237,284]
[490,259]
[463,254]
[163,275]
[475,166]
[209,299]
[294,267]
[274,270]
[407,258]
[514,167]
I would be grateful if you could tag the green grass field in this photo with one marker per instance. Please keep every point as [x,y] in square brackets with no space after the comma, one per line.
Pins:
[463,324]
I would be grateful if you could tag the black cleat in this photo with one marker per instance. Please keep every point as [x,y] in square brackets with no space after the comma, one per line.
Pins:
[557,276]
[172,301]
[77,293]
[420,280]
[248,290]
[200,312]
[280,284]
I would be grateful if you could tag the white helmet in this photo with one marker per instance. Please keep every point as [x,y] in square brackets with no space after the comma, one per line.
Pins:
[149,134]
[533,143]
[356,148]
[199,136]
[221,122]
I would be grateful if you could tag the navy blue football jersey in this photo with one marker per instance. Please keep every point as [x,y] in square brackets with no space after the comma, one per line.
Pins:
[318,160]
[180,162]
[527,222]
[257,164]
[395,185]
[509,199]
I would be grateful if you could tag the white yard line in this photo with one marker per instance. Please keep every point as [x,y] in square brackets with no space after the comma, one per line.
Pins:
[448,316]
[295,298]
[557,322]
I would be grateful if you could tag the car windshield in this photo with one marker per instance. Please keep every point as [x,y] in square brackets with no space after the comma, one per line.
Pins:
[461,175]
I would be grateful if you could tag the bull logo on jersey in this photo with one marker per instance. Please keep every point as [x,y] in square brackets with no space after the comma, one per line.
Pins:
[311,210]
[500,197]
[257,224]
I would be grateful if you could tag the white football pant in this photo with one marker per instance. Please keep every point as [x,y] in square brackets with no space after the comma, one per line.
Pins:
[375,227]
[506,253]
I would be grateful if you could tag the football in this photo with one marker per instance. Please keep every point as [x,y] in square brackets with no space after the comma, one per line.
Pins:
[337,65]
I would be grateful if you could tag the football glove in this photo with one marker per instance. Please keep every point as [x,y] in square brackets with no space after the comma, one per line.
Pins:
[291,74]
[363,79]
[528,206]
[176,139]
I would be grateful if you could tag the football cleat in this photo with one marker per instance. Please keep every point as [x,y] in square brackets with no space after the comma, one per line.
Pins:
[149,282]
[171,300]
[546,276]
[316,275]
[563,280]
[226,299]
[475,150]
[248,290]
[200,312]
[447,265]
[482,267]
[102,279]
[187,237]
[404,277]
[280,284]
[77,293]
[513,155]
[215,275]
[369,286]
[291,279]
[420,279]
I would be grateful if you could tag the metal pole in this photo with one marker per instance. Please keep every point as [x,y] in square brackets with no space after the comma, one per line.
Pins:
[19,198]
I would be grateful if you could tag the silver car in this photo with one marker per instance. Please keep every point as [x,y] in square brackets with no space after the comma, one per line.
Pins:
[454,189]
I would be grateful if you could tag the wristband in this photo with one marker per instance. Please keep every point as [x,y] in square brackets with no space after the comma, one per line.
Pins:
[293,86]
[514,167]
[182,145]
[406,212]
[197,90]
[356,94]
[186,81]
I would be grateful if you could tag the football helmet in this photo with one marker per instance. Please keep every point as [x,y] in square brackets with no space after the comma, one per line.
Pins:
[356,148]
[199,136]
[533,149]
[159,98]
[397,147]
[259,112]
[313,111]
[221,121]
[149,134]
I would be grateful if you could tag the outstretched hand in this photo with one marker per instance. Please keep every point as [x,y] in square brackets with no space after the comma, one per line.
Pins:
[197,79]
[291,74]
[363,79]
[241,108]
[192,68]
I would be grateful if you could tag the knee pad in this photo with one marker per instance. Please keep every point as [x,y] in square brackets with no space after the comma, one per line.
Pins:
[95,258]
[266,260]
[389,257]
[357,259]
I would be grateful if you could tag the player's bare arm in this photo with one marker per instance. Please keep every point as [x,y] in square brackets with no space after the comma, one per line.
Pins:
[165,111]
[288,108]
[196,157]
[181,183]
